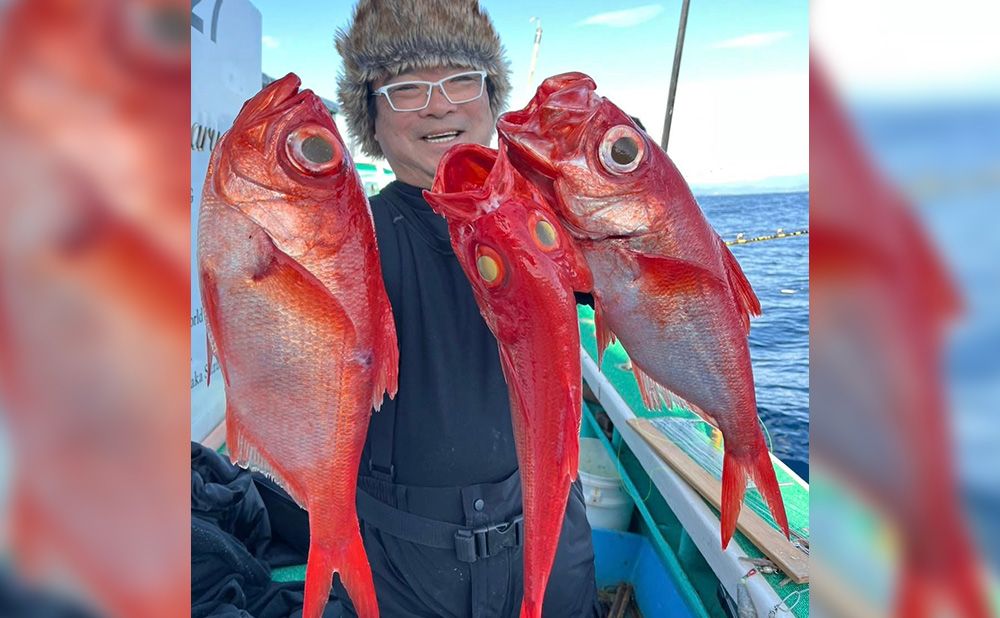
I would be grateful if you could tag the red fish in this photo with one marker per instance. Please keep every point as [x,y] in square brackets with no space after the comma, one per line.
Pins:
[523,268]
[665,284]
[881,304]
[299,318]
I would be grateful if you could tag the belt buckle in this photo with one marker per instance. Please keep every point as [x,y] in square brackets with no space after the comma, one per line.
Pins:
[483,542]
[465,546]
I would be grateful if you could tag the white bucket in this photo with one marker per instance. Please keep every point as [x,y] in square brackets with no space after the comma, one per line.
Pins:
[608,506]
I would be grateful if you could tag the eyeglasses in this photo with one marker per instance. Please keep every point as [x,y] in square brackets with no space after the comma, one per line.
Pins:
[416,95]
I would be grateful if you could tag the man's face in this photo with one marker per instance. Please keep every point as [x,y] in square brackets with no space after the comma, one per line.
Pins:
[408,138]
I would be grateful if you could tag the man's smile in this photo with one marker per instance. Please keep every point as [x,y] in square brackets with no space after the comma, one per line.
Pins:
[441,137]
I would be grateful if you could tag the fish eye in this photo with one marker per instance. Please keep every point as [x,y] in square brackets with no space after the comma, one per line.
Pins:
[622,149]
[544,233]
[317,150]
[313,150]
[490,266]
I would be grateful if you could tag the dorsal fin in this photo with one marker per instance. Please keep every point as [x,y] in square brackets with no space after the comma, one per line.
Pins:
[747,303]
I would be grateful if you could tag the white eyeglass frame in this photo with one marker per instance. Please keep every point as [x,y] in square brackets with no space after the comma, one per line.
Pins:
[384,90]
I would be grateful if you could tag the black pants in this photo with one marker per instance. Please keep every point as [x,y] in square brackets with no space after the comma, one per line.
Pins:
[414,580]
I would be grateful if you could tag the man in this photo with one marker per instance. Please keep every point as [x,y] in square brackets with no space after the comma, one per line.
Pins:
[443,449]
[439,488]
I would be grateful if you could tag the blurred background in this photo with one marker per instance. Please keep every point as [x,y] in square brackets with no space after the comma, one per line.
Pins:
[94,254]
[905,373]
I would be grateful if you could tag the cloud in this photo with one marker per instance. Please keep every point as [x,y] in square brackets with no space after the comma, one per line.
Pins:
[624,19]
[758,39]
[269,41]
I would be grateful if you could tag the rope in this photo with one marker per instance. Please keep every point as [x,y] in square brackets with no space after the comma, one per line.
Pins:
[767,435]
[621,470]
[784,602]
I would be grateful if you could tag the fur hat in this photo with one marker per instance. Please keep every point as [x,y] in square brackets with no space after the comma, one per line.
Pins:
[389,37]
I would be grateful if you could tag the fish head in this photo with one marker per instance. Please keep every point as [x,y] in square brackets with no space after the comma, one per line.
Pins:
[518,258]
[285,166]
[589,158]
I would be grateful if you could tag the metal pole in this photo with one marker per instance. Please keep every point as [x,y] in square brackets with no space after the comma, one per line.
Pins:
[534,51]
[674,74]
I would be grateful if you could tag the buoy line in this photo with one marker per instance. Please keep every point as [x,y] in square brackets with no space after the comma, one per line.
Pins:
[742,240]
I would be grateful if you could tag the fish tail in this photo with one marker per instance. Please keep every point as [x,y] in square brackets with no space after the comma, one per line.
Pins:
[350,560]
[736,468]
[922,590]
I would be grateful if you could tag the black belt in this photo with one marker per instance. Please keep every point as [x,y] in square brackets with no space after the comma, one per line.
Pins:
[470,544]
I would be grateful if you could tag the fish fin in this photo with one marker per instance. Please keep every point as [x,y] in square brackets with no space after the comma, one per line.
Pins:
[244,453]
[747,303]
[347,557]
[655,396]
[517,406]
[210,300]
[208,358]
[605,337]
[663,275]
[736,468]
[387,349]
[572,443]
[506,365]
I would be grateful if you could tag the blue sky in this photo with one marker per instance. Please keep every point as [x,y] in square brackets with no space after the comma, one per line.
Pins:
[741,114]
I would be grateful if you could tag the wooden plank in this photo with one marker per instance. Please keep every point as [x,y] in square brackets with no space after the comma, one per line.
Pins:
[790,559]
[217,437]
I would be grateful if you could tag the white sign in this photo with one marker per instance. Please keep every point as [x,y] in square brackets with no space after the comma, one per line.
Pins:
[225,72]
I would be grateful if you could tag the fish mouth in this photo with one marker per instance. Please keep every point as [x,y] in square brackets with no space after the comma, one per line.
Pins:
[281,95]
[465,168]
[533,151]
[553,124]
[285,88]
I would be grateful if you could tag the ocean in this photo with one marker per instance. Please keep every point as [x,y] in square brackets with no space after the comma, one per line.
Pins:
[778,270]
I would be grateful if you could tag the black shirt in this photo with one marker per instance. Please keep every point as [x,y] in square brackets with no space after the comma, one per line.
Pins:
[453,425]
